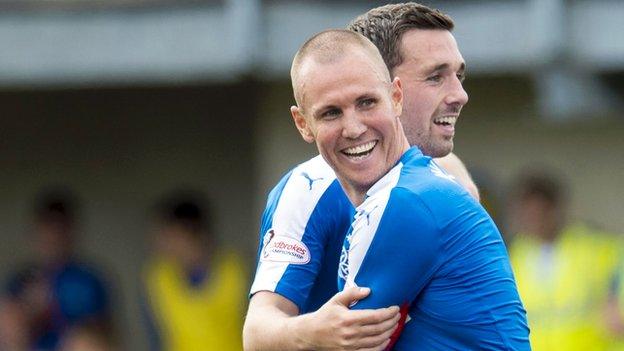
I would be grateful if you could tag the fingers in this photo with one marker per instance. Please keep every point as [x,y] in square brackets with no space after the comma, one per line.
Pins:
[377,347]
[359,329]
[372,335]
[387,326]
[368,317]
[350,295]
[370,328]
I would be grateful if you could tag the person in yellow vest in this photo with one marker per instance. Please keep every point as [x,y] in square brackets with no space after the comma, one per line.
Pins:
[564,270]
[194,292]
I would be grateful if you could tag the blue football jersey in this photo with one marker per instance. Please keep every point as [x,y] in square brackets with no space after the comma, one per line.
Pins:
[420,240]
[302,231]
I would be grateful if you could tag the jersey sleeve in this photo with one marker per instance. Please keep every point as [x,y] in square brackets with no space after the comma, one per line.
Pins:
[294,231]
[396,258]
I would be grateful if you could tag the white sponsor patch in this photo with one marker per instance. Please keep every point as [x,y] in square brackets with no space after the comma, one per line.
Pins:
[279,248]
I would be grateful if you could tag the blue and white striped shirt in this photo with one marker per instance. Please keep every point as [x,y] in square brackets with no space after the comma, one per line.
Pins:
[421,241]
[303,227]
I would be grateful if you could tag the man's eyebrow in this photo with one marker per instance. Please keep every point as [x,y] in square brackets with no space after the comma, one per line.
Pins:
[440,67]
[444,66]
[365,97]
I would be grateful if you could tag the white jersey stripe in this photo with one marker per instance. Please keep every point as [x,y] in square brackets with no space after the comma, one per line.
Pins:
[368,214]
[306,185]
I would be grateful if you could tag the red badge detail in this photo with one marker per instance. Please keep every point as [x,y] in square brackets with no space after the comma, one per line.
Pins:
[395,336]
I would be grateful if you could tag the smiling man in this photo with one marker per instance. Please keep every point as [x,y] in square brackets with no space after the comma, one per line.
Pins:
[357,85]
[294,290]
[422,73]
[418,239]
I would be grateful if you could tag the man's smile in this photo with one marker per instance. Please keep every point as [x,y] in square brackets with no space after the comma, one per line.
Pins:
[360,151]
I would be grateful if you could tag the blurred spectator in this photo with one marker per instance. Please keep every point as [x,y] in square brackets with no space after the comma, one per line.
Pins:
[564,270]
[87,337]
[55,291]
[194,290]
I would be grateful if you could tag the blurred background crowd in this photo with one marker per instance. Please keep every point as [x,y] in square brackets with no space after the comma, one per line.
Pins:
[140,137]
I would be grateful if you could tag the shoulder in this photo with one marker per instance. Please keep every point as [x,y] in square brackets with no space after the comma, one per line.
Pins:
[296,197]
[310,178]
[421,173]
[456,168]
[408,192]
[311,188]
[304,184]
[425,195]
[426,182]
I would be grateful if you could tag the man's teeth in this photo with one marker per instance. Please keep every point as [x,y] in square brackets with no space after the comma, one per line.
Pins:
[445,120]
[360,149]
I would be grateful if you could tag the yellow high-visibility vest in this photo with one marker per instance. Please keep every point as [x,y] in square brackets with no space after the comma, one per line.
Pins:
[564,287]
[207,317]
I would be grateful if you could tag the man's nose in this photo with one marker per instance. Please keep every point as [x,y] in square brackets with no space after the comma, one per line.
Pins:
[353,126]
[456,94]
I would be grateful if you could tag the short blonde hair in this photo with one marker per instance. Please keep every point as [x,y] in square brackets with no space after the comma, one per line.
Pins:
[330,46]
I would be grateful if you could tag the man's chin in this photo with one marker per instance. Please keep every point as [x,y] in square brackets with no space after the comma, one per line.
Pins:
[438,150]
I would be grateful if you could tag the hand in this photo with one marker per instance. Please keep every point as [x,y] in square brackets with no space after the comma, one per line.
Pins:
[335,327]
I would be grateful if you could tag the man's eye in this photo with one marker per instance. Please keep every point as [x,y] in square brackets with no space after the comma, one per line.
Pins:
[435,78]
[330,114]
[461,77]
[367,102]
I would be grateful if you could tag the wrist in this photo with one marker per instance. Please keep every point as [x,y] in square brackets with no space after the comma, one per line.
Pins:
[299,330]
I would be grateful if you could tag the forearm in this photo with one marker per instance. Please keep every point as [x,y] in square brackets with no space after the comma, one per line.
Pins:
[273,324]
[273,327]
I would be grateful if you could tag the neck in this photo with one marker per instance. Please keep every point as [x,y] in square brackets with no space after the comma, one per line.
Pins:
[194,257]
[356,195]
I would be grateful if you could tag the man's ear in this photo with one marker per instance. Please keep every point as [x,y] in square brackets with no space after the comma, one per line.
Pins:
[397,96]
[301,124]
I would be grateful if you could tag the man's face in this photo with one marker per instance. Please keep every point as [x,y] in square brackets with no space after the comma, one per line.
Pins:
[52,241]
[351,110]
[173,241]
[535,215]
[432,72]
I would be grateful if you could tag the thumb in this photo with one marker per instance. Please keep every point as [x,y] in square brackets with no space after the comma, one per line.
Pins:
[350,296]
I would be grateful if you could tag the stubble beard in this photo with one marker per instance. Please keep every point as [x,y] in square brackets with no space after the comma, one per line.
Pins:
[437,148]
[428,144]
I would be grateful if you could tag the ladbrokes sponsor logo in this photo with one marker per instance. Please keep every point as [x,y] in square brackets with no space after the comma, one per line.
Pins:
[285,249]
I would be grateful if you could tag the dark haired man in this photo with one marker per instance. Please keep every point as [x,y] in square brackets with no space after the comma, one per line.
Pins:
[416,42]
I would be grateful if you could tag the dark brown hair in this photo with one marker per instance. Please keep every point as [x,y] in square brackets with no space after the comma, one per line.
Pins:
[385,26]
